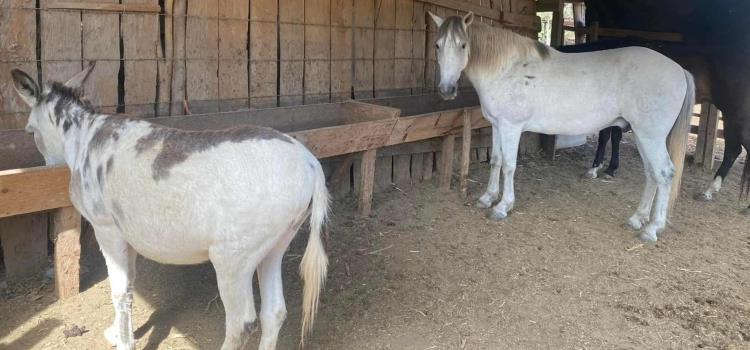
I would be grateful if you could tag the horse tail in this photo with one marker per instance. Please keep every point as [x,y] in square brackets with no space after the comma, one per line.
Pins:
[314,262]
[678,137]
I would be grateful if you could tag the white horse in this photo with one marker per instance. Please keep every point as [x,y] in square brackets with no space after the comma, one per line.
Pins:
[526,86]
[235,197]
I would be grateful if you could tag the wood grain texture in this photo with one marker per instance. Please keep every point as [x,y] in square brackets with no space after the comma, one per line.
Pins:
[366,183]
[105,6]
[178,89]
[342,49]
[292,49]
[17,50]
[383,173]
[417,168]
[31,190]
[428,169]
[233,55]
[101,43]
[202,52]
[263,53]
[24,239]
[403,47]
[463,179]
[402,170]
[384,52]
[364,44]
[419,37]
[317,51]
[61,43]
[446,161]
[66,232]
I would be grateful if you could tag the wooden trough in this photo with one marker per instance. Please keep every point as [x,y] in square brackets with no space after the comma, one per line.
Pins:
[328,130]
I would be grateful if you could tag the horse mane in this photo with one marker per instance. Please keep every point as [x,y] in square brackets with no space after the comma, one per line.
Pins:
[494,48]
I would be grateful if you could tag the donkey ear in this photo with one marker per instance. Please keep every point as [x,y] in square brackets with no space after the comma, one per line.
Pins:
[25,86]
[468,18]
[77,80]
[438,21]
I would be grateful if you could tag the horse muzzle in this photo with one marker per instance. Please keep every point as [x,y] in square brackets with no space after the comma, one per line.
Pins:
[448,92]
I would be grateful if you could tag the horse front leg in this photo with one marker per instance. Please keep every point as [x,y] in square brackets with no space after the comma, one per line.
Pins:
[732,150]
[509,140]
[493,184]
[120,258]
[614,161]
[601,147]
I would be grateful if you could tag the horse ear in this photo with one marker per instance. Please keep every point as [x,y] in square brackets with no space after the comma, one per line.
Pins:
[468,18]
[25,86]
[77,80]
[438,21]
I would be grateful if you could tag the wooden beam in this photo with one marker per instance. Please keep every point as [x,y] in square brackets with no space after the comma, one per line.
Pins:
[92,6]
[466,6]
[657,36]
[30,190]
[366,181]
[446,161]
[66,230]
[712,123]
[463,180]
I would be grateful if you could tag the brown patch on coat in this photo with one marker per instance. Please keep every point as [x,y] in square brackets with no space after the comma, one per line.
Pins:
[177,145]
[108,131]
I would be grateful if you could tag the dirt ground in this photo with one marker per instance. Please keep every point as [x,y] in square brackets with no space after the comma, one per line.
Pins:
[429,271]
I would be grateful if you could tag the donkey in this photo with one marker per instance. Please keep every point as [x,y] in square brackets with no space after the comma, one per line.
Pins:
[524,85]
[234,197]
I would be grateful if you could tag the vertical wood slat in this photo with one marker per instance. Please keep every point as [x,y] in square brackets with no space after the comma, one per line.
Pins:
[700,145]
[66,230]
[61,43]
[233,55]
[101,42]
[140,35]
[401,170]
[711,126]
[292,49]
[24,239]
[317,51]
[383,172]
[367,178]
[417,167]
[341,49]
[403,47]
[263,53]
[17,45]
[364,36]
[428,166]
[419,35]
[179,65]
[446,161]
[463,179]
[201,52]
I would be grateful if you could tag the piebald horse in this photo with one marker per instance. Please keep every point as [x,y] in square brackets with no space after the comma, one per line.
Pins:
[234,197]
[524,85]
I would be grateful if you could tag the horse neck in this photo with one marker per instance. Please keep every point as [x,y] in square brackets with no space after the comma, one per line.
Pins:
[495,51]
[81,120]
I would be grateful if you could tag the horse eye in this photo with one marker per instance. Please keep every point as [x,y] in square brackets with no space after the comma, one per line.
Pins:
[463,46]
[437,46]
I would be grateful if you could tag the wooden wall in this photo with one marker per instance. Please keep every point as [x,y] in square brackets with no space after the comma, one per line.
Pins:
[174,57]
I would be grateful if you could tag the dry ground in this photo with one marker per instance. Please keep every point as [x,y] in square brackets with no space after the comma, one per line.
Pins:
[428,271]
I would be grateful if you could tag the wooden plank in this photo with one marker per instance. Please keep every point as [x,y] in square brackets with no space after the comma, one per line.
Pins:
[66,230]
[364,41]
[17,50]
[367,178]
[657,36]
[403,47]
[105,7]
[292,49]
[342,49]
[401,170]
[165,63]
[417,168]
[18,150]
[101,43]
[30,190]
[179,66]
[24,239]
[233,55]
[384,52]
[428,166]
[556,35]
[317,86]
[466,6]
[202,52]
[446,161]
[430,71]
[61,44]
[711,125]
[332,141]
[700,145]
[263,53]
[419,37]
[383,173]
[463,181]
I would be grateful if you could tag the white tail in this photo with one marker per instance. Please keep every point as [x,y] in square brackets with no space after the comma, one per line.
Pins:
[678,137]
[315,262]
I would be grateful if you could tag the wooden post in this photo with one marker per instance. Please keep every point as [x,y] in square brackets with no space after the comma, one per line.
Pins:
[465,154]
[366,181]
[556,35]
[548,145]
[446,161]
[712,124]
[66,230]
[579,20]
[700,144]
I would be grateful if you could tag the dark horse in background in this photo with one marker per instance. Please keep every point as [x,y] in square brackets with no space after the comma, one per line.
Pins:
[721,77]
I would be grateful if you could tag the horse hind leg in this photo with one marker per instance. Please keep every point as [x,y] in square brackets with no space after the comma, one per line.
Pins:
[601,147]
[643,212]
[234,276]
[662,171]
[614,162]
[509,140]
[732,150]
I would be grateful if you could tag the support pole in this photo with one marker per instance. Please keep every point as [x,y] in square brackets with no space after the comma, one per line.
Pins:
[66,230]
[446,161]
[465,154]
[366,181]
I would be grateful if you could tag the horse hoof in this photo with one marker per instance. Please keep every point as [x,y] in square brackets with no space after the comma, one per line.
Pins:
[703,197]
[483,205]
[111,335]
[746,211]
[591,174]
[497,215]
[648,237]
